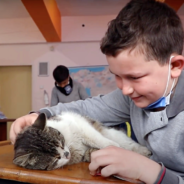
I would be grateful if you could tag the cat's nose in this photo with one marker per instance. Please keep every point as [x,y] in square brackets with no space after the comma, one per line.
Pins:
[66,153]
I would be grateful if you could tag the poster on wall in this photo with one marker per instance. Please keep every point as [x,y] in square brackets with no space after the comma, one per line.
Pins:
[96,79]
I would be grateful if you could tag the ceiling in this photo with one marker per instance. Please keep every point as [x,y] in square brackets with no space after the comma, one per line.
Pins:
[12,9]
[90,7]
[17,24]
[15,9]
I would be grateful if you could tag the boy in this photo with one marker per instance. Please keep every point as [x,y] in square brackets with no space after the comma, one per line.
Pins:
[143,46]
[66,89]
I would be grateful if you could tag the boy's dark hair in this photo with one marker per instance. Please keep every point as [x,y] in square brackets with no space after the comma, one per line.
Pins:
[60,73]
[150,26]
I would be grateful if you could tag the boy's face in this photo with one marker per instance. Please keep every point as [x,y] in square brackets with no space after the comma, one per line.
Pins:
[64,83]
[143,81]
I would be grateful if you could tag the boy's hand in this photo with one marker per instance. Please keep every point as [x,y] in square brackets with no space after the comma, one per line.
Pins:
[124,163]
[20,123]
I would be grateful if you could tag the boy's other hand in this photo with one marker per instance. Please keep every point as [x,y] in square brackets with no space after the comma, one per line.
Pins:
[20,123]
[124,163]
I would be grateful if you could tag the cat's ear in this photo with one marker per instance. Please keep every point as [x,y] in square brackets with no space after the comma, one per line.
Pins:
[40,122]
[22,160]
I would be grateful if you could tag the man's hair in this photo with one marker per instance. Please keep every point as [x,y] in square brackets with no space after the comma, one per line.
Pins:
[60,73]
[151,27]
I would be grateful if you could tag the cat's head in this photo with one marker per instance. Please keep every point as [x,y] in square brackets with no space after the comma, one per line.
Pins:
[40,147]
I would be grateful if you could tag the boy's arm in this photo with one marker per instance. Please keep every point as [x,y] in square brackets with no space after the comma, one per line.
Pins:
[111,109]
[54,98]
[124,163]
[168,177]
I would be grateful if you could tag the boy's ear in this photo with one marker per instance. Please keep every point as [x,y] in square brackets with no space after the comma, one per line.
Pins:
[177,65]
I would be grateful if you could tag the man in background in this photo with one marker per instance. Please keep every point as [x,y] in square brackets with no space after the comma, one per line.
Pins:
[66,89]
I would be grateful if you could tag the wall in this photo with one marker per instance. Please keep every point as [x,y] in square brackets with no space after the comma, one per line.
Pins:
[90,28]
[23,52]
[19,30]
[69,54]
[80,47]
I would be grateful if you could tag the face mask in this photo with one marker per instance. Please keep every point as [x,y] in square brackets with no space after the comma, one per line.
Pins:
[163,101]
[67,89]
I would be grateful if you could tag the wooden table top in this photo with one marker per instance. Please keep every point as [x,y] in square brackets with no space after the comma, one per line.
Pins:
[77,173]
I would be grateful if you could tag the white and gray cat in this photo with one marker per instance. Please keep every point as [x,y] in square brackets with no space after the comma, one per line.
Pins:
[66,139]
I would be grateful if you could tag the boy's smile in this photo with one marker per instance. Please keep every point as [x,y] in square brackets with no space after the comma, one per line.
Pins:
[143,81]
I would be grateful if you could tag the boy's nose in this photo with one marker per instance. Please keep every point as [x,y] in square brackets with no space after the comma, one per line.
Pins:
[127,89]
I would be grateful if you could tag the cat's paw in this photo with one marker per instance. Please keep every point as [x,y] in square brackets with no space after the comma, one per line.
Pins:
[143,151]
[112,143]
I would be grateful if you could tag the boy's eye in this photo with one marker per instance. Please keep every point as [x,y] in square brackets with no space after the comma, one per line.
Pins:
[128,77]
[117,76]
[134,78]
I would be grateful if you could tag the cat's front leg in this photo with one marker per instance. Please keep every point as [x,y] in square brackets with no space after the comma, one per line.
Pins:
[87,154]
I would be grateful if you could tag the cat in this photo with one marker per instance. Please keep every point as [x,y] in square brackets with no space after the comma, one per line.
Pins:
[66,139]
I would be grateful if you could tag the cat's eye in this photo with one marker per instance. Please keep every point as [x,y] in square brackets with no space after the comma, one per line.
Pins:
[58,156]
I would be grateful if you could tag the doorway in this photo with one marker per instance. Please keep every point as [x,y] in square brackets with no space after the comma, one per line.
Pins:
[15,91]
